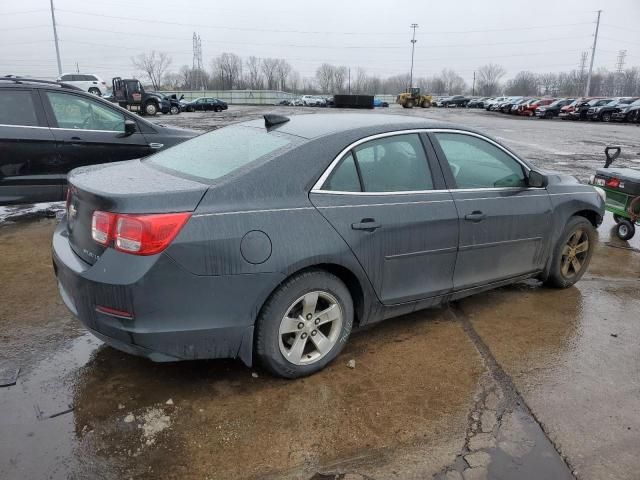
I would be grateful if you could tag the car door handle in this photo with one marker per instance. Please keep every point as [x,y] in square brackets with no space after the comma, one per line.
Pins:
[76,141]
[156,146]
[475,217]
[366,224]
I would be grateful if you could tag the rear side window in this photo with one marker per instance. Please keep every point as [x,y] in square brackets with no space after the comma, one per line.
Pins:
[16,108]
[218,153]
[392,164]
[66,78]
[345,177]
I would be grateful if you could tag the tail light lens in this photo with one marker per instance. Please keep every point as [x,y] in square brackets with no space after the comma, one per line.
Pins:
[613,183]
[101,227]
[137,234]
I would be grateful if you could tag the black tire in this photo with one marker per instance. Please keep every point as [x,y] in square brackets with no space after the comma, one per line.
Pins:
[625,230]
[175,110]
[95,91]
[548,115]
[267,344]
[606,117]
[217,109]
[150,108]
[563,278]
[408,104]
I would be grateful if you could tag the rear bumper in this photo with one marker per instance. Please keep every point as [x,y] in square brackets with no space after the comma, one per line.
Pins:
[176,315]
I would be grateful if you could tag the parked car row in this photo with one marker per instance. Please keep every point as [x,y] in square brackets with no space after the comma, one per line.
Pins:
[605,109]
[450,101]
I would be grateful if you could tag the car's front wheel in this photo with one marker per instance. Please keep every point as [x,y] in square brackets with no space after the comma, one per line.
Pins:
[304,325]
[572,253]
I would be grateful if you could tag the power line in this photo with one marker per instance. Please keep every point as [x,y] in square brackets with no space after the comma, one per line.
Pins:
[311,32]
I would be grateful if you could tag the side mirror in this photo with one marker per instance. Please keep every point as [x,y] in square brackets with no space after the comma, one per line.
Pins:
[130,127]
[536,179]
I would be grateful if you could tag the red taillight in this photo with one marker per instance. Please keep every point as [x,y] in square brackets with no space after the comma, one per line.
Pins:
[137,234]
[102,226]
[613,183]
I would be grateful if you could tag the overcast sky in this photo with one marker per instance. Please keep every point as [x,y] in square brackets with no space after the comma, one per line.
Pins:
[102,36]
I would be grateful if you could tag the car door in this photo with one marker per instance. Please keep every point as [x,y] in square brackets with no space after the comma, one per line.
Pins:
[388,202]
[89,131]
[30,166]
[505,226]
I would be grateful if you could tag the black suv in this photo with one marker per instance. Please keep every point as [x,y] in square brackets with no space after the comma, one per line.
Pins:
[49,128]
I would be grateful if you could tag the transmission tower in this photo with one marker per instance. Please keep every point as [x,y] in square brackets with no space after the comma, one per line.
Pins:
[622,54]
[196,69]
[583,63]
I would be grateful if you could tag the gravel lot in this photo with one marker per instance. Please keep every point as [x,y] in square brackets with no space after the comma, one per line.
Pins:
[521,382]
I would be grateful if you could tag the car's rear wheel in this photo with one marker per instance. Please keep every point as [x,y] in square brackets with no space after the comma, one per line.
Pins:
[95,91]
[304,324]
[217,109]
[606,117]
[625,230]
[572,253]
[174,110]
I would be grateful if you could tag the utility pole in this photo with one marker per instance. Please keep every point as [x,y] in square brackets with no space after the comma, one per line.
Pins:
[349,80]
[55,38]
[593,54]
[474,84]
[413,47]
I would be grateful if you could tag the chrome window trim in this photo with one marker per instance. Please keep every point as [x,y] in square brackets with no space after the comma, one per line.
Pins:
[87,130]
[22,126]
[317,187]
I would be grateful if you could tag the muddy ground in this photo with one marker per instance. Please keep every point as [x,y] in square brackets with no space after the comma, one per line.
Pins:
[523,382]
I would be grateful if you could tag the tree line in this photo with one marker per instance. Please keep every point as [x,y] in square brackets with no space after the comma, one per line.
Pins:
[229,71]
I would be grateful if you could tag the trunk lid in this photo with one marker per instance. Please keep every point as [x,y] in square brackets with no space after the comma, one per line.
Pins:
[123,187]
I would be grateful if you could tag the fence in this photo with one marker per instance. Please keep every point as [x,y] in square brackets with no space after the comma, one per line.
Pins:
[250,97]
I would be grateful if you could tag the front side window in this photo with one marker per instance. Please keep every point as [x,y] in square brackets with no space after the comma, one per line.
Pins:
[220,152]
[476,163]
[74,111]
[390,164]
[16,108]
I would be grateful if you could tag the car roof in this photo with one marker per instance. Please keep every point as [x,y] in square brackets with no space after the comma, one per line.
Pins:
[321,124]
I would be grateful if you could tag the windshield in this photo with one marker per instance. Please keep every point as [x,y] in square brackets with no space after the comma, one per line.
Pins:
[218,153]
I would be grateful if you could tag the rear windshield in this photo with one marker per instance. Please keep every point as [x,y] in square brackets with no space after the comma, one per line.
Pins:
[218,153]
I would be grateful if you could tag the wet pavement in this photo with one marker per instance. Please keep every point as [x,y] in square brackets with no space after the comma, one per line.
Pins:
[523,382]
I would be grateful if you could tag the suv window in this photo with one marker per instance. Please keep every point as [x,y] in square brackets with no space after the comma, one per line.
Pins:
[392,164]
[218,153]
[16,108]
[476,163]
[74,111]
[66,78]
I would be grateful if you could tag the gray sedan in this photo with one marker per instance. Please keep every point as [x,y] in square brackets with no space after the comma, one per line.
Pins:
[271,240]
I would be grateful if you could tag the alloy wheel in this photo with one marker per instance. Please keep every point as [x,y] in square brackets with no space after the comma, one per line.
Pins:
[574,254]
[310,328]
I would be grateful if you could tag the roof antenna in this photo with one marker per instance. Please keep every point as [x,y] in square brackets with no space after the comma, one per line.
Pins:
[271,120]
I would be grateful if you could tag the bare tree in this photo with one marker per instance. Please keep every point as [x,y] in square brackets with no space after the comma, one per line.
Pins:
[324,77]
[228,69]
[254,77]
[269,69]
[153,66]
[339,79]
[283,69]
[524,83]
[453,83]
[489,79]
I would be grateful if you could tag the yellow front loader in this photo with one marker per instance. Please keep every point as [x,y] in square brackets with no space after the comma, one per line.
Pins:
[412,98]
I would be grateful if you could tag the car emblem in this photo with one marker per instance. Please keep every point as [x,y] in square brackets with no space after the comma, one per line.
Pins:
[73,211]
